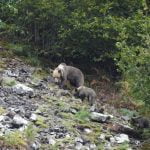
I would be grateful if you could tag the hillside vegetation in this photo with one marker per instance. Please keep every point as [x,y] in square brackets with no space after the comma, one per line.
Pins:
[113,33]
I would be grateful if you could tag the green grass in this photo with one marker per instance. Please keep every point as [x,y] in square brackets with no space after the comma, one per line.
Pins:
[30,132]
[82,115]
[14,140]
[41,122]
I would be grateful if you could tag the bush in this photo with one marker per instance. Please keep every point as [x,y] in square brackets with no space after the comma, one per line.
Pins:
[134,57]
[86,31]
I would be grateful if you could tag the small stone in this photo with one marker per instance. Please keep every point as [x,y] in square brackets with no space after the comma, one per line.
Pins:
[67,136]
[33,117]
[51,141]
[121,138]
[126,118]
[108,146]
[73,111]
[112,139]
[78,146]
[19,121]
[78,139]
[12,74]
[92,146]
[35,146]
[102,136]
[1,118]
[11,114]
[87,130]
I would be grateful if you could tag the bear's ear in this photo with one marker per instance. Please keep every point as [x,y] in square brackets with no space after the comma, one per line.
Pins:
[59,71]
[76,90]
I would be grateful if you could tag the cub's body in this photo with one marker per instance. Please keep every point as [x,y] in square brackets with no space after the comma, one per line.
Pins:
[85,92]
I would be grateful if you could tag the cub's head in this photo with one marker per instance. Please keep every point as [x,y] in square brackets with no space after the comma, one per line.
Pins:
[77,90]
[58,73]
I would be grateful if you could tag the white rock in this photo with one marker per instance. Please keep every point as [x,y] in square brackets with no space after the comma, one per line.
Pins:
[78,139]
[107,146]
[11,74]
[102,136]
[33,117]
[19,120]
[78,146]
[21,88]
[1,118]
[22,128]
[112,139]
[100,117]
[121,138]
[87,130]
[92,146]
[67,136]
[51,141]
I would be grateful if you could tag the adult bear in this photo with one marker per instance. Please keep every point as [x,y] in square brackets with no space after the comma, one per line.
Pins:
[64,72]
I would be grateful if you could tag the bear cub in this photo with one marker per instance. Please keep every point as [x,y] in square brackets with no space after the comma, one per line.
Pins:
[85,92]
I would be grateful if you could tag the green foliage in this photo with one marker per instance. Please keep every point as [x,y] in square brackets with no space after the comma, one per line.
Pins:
[69,29]
[133,59]
[41,122]
[127,112]
[82,115]
[85,31]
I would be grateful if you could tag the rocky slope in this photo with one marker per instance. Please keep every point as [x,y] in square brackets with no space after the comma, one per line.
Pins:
[36,114]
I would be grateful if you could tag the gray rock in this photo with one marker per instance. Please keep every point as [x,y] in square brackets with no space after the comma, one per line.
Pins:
[108,146]
[35,146]
[78,139]
[22,89]
[126,118]
[78,146]
[87,130]
[62,92]
[19,121]
[12,73]
[33,117]
[102,136]
[51,141]
[121,138]
[112,140]
[86,147]
[99,117]
[1,118]
[92,147]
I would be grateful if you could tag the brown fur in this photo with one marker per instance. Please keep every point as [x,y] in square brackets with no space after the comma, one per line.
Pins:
[85,92]
[63,73]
